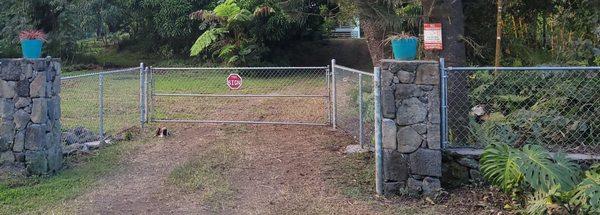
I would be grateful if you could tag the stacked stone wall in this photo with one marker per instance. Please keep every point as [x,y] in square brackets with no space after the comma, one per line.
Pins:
[411,126]
[30,115]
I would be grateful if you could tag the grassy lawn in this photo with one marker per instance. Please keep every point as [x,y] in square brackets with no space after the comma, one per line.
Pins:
[80,102]
[37,195]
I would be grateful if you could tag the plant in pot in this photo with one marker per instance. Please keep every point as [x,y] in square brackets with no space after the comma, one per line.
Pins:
[404,46]
[31,43]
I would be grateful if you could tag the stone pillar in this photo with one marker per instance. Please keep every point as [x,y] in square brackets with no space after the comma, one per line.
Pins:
[30,115]
[411,126]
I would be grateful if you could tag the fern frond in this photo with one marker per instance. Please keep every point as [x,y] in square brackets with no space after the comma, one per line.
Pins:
[206,39]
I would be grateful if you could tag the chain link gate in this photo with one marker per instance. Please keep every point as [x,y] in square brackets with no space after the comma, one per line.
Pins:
[267,95]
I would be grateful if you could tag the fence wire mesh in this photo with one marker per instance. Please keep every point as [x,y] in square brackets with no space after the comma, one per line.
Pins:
[354,104]
[104,103]
[267,95]
[556,108]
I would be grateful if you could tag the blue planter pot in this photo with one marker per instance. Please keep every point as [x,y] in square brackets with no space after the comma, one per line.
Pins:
[31,48]
[405,48]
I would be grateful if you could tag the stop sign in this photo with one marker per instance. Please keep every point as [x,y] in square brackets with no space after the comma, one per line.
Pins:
[234,81]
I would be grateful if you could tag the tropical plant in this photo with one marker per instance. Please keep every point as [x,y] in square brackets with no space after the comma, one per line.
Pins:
[32,35]
[547,183]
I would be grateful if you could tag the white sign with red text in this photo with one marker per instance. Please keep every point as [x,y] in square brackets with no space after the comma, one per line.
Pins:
[432,36]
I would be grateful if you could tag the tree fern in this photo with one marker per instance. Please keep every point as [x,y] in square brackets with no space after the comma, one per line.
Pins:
[500,165]
[206,39]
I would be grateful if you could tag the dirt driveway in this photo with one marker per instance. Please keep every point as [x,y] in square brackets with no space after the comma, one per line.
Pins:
[275,170]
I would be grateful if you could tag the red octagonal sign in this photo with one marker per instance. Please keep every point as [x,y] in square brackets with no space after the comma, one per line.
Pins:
[234,81]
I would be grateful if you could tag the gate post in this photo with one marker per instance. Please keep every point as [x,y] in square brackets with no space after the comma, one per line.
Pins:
[333,97]
[142,95]
[101,106]
[444,104]
[378,134]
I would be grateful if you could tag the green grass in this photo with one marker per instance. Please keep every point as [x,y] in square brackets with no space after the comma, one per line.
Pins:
[36,195]
[80,102]
[208,173]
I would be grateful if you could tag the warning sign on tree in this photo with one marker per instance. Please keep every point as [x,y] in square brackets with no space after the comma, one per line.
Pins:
[432,36]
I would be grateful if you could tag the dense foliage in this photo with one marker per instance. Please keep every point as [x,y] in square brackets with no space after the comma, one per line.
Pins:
[547,184]
[534,32]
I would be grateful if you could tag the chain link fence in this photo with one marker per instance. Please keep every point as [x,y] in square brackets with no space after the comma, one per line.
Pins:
[353,103]
[103,103]
[266,95]
[558,108]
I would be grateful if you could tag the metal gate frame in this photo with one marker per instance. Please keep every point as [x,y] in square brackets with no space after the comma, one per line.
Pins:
[148,95]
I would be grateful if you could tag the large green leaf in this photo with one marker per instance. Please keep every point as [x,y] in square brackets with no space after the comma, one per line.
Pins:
[500,166]
[587,193]
[206,39]
[541,172]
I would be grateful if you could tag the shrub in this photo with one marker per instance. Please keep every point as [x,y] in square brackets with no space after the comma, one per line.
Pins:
[546,183]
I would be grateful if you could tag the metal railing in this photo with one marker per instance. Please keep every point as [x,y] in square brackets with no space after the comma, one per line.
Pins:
[557,107]
[268,95]
[105,103]
[353,102]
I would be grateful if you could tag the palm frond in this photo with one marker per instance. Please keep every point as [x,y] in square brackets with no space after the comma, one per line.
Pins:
[206,39]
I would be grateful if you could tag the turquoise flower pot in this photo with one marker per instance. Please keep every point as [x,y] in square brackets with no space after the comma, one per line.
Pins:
[31,48]
[405,48]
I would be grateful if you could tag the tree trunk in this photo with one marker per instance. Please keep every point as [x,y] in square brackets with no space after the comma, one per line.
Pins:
[450,14]
[375,35]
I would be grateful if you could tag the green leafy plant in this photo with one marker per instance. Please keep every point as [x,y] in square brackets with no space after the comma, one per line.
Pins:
[547,183]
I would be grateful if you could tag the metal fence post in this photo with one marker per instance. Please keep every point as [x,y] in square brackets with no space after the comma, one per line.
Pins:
[444,104]
[328,99]
[378,135]
[333,97]
[142,94]
[146,70]
[360,113]
[101,106]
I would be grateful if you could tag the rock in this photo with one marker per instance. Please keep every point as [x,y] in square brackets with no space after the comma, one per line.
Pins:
[7,89]
[37,89]
[22,88]
[408,140]
[420,128]
[22,102]
[433,136]
[426,162]
[35,137]
[411,111]
[387,78]
[96,144]
[395,166]
[54,158]
[405,91]
[36,162]
[406,77]
[11,70]
[39,112]
[75,149]
[7,137]
[7,158]
[413,185]
[431,186]
[388,102]
[19,144]
[7,109]
[475,175]
[428,74]
[21,119]
[391,188]
[70,138]
[468,162]
[353,149]
[389,134]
